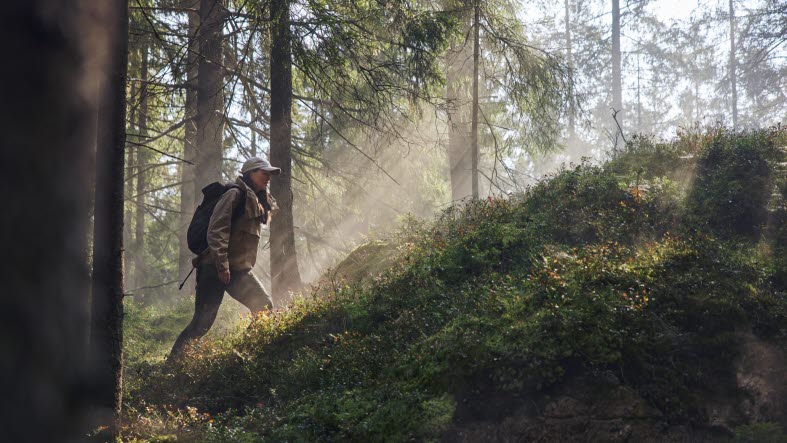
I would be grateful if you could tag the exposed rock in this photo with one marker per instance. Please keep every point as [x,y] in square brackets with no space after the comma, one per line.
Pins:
[367,260]
[582,409]
[762,374]
[591,408]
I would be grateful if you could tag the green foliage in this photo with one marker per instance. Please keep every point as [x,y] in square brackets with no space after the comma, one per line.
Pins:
[778,223]
[733,183]
[148,330]
[649,158]
[760,433]
[590,204]
[587,271]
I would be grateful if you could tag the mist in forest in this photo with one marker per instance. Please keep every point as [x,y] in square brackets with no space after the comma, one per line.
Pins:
[643,69]
[671,79]
[405,178]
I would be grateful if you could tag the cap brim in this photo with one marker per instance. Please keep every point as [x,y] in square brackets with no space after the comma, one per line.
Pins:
[272,169]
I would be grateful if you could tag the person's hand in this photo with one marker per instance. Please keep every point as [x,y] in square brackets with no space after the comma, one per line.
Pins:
[224,277]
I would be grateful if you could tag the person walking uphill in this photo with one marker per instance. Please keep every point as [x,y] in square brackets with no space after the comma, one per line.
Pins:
[233,236]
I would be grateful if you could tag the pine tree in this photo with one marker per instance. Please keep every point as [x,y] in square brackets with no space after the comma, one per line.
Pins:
[617,76]
[106,334]
[285,275]
[210,93]
[188,191]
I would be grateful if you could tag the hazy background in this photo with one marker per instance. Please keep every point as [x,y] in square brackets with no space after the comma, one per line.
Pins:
[353,183]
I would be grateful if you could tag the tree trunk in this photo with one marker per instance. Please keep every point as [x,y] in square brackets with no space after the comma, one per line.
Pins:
[188,192]
[285,276]
[130,165]
[474,129]
[617,89]
[733,66]
[639,99]
[143,158]
[569,61]
[457,75]
[210,93]
[252,111]
[696,101]
[45,138]
[107,301]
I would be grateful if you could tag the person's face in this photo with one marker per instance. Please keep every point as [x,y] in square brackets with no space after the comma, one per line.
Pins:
[260,179]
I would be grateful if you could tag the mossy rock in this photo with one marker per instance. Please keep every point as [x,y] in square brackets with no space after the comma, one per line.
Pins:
[367,261]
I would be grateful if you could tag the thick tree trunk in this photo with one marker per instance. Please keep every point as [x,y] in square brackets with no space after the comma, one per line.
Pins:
[188,190]
[474,129]
[570,62]
[128,236]
[733,66]
[143,158]
[285,276]
[210,93]
[458,72]
[107,301]
[46,120]
[617,88]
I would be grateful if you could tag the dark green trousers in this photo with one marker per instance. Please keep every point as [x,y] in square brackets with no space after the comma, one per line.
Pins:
[243,287]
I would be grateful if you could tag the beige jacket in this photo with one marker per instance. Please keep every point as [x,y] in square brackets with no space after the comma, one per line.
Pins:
[232,244]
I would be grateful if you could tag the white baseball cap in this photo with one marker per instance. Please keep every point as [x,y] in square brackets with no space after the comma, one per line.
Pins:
[258,163]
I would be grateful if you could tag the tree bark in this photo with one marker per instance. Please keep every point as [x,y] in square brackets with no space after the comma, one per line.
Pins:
[617,88]
[107,300]
[46,120]
[639,98]
[733,67]
[210,93]
[142,161]
[252,111]
[569,61]
[458,72]
[130,164]
[474,129]
[285,276]
[188,192]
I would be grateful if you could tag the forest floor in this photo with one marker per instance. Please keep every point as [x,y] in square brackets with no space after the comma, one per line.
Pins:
[642,299]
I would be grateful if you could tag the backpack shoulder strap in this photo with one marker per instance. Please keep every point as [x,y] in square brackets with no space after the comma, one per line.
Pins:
[240,205]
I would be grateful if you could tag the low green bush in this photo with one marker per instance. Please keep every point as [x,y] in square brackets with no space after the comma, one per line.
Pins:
[649,158]
[733,183]
[760,433]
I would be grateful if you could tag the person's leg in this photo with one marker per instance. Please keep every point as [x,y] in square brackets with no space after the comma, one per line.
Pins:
[210,292]
[245,288]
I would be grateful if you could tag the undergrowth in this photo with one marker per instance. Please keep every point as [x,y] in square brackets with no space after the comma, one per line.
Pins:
[619,268]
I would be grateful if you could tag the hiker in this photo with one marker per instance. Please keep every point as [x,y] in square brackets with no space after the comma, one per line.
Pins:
[233,235]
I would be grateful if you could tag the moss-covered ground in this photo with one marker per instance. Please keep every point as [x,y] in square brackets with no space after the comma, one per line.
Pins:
[645,267]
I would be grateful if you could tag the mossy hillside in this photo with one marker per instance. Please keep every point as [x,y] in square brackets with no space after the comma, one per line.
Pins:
[150,330]
[583,272]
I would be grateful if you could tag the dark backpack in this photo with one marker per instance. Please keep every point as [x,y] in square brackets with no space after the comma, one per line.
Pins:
[197,236]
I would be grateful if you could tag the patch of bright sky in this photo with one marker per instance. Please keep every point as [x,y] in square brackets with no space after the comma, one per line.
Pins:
[673,9]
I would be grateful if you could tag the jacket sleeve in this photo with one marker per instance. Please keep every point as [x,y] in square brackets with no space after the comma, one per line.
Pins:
[219,229]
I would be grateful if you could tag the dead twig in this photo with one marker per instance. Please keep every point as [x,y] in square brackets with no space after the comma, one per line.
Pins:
[620,130]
